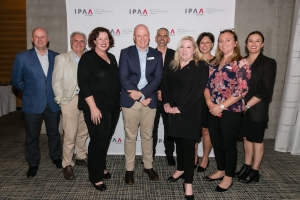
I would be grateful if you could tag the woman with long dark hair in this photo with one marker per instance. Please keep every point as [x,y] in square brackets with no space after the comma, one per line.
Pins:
[258,100]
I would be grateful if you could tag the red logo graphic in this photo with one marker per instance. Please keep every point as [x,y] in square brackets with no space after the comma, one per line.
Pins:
[117,32]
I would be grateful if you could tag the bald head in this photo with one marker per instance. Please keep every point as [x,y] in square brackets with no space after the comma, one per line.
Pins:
[39,29]
[141,37]
[40,39]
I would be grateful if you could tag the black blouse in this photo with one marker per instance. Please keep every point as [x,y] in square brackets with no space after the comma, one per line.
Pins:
[100,79]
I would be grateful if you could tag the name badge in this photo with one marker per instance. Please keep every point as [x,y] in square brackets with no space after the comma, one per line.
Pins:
[150,58]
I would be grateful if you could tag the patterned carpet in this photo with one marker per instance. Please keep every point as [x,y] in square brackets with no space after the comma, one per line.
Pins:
[280,175]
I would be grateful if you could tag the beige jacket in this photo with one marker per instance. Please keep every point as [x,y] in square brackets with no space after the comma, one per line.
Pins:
[64,78]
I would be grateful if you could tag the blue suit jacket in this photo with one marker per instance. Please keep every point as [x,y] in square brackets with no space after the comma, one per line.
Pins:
[28,77]
[130,75]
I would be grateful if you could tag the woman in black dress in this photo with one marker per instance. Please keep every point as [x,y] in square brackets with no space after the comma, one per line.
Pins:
[258,100]
[205,43]
[183,99]
[98,80]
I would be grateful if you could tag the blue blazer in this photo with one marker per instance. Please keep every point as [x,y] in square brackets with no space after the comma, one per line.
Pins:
[29,78]
[130,75]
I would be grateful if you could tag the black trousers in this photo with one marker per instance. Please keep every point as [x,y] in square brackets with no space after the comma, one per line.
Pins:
[100,136]
[185,150]
[33,124]
[223,133]
[168,141]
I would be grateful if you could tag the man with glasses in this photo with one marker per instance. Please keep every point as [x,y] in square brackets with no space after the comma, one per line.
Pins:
[66,91]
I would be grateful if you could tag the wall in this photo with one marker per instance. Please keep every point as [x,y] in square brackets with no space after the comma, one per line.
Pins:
[272,17]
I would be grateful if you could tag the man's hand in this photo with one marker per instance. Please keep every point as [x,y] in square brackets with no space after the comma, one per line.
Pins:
[134,94]
[145,102]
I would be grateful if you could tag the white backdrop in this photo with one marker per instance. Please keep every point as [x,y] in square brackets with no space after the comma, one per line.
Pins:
[181,18]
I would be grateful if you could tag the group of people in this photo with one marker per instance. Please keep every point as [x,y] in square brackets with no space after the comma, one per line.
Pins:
[197,94]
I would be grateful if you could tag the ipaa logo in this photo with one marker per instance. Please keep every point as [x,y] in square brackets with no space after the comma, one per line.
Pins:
[141,12]
[80,11]
[115,32]
[117,140]
[196,11]
[172,32]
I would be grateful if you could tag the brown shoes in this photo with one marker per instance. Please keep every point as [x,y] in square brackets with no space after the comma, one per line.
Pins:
[129,177]
[82,162]
[68,172]
[152,174]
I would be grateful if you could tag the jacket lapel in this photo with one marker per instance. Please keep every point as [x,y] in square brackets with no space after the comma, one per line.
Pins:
[135,59]
[72,61]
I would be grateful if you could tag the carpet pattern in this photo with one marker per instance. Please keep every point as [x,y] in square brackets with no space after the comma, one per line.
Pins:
[279,175]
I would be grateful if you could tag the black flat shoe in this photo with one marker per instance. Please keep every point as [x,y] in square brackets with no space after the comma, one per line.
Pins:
[207,178]
[201,169]
[189,197]
[102,187]
[219,189]
[252,176]
[245,169]
[172,179]
[107,176]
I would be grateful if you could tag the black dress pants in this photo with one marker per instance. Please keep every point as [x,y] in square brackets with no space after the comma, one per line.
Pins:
[100,136]
[33,124]
[168,141]
[223,133]
[185,150]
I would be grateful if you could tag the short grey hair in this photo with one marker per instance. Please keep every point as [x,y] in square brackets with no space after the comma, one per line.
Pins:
[78,32]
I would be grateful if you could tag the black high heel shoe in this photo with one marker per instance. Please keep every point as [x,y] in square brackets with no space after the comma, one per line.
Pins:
[188,197]
[172,179]
[107,176]
[245,169]
[102,187]
[201,169]
[219,189]
[252,176]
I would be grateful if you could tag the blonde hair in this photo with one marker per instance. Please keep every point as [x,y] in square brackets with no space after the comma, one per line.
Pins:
[236,55]
[196,57]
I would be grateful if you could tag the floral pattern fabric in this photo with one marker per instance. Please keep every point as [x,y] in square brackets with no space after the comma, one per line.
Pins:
[232,79]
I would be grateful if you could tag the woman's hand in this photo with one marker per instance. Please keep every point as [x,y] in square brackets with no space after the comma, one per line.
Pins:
[167,107]
[175,110]
[215,110]
[96,115]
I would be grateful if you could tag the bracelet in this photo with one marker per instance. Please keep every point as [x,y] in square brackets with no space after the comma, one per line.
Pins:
[247,106]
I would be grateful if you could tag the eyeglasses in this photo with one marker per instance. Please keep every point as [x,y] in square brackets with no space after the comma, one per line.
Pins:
[227,30]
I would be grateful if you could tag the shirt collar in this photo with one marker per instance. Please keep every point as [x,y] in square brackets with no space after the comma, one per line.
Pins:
[40,54]
[141,51]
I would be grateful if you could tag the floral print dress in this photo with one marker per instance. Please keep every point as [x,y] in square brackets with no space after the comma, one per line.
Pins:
[231,79]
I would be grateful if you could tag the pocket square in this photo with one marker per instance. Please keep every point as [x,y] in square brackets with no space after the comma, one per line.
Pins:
[150,58]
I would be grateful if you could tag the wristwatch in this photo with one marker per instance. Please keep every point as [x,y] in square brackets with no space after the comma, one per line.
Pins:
[247,106]
[222,106]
